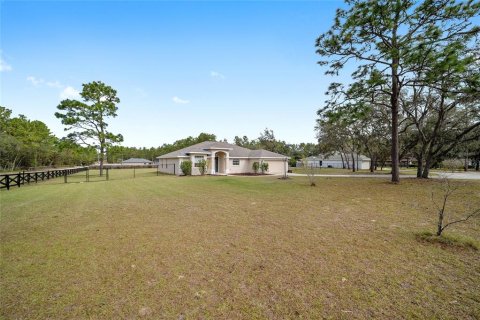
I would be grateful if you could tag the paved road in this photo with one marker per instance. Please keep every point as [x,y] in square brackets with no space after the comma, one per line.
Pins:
[471,175]
[450,175]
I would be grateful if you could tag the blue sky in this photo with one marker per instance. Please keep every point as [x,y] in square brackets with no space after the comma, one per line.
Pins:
[180,68]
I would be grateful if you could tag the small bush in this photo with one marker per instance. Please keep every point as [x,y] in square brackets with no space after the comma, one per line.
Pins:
[452,165]
[264,167]
[256,167]
[186,167]
[449,240]
[310,172]
[202,166]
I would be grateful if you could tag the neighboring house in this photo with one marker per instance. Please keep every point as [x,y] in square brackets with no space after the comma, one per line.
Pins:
[337,160]
[222,158]
[136,162]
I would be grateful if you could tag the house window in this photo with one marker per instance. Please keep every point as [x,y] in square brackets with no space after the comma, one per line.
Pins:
[236,162]
[197,160]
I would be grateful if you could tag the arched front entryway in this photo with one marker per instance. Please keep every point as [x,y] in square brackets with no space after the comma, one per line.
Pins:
[218,162]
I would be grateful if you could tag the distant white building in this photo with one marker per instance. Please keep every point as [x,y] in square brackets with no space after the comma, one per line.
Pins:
[337,160]
[136,162]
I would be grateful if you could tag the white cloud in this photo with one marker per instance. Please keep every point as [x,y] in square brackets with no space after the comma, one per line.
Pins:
[178,100]
[35,81]
[4,66]
[215,74]
[54,84]
[69,93]
[39,81]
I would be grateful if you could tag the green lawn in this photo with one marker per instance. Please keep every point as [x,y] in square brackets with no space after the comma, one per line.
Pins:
[339,171]
[385,171]
[165,247]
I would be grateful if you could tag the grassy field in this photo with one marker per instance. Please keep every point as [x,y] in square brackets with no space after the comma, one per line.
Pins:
[333,171]
[385,171]
[164,247]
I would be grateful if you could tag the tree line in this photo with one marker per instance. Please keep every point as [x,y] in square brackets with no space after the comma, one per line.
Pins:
[266,140]
[26,144]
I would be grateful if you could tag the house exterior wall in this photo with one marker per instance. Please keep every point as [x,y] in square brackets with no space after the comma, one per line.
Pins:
[245,166]
[316,163]
[362,164]
[170,166]
[333,164]
[275,166]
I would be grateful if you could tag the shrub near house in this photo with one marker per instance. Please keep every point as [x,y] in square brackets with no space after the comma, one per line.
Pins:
[264,167]
[186,167]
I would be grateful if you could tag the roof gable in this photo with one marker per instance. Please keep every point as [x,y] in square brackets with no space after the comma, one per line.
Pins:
[136,160]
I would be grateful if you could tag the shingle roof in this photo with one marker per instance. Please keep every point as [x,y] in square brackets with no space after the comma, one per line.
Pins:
[234,151]
[136,160]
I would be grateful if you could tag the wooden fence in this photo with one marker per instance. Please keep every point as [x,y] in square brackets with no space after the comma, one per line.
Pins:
[17,179]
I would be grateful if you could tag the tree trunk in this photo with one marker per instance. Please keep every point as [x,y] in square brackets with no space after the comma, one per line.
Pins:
[353,162]
[477,165]
[101,161]
[440,223]
[394,105]
[426,169]
[419,165]
[347,161]
[395,97]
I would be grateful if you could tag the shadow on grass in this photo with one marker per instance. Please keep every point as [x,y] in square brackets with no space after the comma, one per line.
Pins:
[448,240]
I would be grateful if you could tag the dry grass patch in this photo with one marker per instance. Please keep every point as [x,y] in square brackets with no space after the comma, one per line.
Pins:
[231,248]
[449,240]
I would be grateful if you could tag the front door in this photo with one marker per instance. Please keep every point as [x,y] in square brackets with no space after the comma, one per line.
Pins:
[216,164]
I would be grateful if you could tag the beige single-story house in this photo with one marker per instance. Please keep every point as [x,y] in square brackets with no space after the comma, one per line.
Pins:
[136,162]
[337,160]
[222,158]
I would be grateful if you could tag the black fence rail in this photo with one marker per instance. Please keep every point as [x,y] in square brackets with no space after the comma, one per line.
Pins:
[26,177]
[123,166]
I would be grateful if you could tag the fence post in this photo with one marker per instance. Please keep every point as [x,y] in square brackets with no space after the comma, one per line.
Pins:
[7,181]
[18,180]
[107,174]
[65,175]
